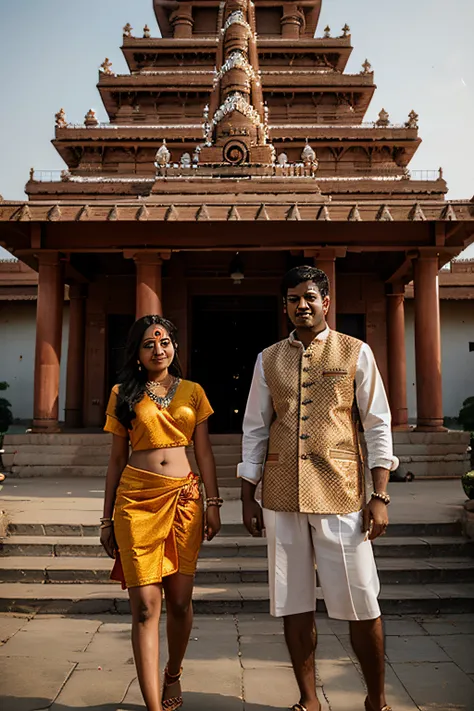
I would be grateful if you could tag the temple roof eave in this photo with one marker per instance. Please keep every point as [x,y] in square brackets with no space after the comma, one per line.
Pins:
[340,49]
[248,204]
[356,132]
[293,78]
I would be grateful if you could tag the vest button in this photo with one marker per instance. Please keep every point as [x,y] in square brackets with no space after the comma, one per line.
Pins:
[304,436]
[305,417]
[307,355]
[306,402]
[304,456]
[305,370]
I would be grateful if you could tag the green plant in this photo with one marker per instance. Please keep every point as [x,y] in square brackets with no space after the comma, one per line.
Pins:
[468,484]
[6,416]
[466,414]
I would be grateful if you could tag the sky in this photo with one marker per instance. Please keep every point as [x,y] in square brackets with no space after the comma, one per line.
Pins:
[421,51]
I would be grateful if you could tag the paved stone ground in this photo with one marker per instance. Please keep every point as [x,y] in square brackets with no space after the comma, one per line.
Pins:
[234,663]
[50,501]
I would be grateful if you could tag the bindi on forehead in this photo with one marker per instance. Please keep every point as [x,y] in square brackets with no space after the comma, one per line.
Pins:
[158,333]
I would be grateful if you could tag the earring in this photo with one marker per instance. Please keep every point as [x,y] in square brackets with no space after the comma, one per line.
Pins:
[139,366]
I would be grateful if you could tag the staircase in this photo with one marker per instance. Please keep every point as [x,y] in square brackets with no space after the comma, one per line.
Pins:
[87,455]
[424,569]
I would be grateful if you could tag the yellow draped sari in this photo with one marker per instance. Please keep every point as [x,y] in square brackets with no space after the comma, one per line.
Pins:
[158,526]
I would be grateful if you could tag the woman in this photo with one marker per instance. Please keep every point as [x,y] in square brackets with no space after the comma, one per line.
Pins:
[157,528]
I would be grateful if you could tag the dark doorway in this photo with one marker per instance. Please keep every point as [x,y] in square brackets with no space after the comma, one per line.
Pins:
[228,333]
[118,326]
[352,325]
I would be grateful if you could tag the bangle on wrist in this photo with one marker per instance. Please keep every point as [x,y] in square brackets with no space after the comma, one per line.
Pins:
[381,496]
[106,524]
[214,501]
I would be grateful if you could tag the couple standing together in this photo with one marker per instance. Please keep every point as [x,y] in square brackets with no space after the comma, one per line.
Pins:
[311,396]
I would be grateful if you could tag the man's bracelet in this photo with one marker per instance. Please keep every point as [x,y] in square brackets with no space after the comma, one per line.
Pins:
[382,496]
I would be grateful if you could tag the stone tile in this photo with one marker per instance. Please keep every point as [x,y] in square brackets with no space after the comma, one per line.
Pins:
[193,700]
[64,638]
[205,685]
[345,640]
[264,688]
[330,647]
[259,624]
[262,651]
[437,687]
[342,685]
[404,626]
[210,647]
[459,648]
[35,689]
[223,624]
[111,646]
[338,626]
[11,624]
[397,695]
[446,625]
[414,649]
[87,688]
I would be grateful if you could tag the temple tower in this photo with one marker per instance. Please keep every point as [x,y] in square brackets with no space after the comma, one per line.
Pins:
[236,130]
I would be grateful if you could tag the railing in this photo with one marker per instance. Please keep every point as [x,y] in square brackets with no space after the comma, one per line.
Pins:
[46,176]
[425,174]
[54,176]
[139,125]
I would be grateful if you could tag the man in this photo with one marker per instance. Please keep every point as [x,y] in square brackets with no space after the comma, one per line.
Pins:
[310,395]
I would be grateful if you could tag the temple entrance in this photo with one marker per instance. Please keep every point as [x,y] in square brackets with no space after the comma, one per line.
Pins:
[352,325]
[228,332]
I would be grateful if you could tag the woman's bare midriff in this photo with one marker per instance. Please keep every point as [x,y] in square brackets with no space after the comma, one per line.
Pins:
[170,461]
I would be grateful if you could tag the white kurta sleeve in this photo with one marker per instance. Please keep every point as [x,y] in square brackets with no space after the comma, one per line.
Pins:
[374,412]
[256,427]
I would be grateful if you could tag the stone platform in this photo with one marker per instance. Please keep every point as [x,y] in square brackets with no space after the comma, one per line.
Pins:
[234,663]
[51,560]
[78,454]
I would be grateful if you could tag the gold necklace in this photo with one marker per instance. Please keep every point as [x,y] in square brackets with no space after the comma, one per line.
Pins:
[155,384]
[163,402]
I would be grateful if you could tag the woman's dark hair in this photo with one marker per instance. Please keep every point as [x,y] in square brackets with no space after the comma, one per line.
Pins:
[132,377]
[298,275]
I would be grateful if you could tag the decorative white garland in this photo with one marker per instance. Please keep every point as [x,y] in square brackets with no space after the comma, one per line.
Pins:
[236,102]
[237,18]
[236,60]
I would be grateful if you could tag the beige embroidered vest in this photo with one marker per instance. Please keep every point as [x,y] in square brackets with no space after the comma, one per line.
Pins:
[314,462]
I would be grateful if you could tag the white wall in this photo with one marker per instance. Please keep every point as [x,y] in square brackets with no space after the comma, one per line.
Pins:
[457,330]
[17,355]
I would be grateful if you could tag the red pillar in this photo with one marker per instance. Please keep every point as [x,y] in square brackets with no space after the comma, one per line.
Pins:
[428,344]
[49,322]
[148,299]
[75,357]
[396,355]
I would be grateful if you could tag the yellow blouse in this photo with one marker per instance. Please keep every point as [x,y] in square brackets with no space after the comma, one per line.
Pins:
[156,428]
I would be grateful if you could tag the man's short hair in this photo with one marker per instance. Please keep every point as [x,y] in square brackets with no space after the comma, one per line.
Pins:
[298,275]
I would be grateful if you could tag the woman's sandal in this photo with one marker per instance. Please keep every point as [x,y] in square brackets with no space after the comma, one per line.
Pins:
[175,702]
[368,707]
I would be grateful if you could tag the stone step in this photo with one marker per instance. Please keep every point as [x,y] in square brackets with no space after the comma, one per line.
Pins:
[213,571]
[74,455]
[226,598]
[98,438]
[234,546]
[419,530]
[226,474]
